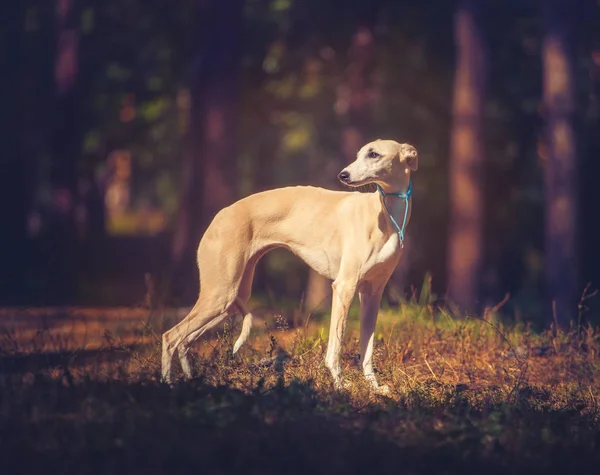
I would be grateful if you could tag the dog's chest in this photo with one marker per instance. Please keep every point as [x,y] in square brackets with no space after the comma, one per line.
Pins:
[385,255]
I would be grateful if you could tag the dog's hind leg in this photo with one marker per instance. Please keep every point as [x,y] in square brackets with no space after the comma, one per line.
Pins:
[243,296]
[200,319]
[186,367]
[170,340]
[246,325]
[184,347]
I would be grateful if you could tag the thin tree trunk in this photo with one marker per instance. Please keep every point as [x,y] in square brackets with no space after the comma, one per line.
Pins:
[466,158]
[560,170]
[209,175]
[318,292]
[353,102]
[15,189]
[61,255]
[182,265]
[216,97]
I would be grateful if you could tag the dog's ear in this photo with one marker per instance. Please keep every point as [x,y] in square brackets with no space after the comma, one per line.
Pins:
[408,154]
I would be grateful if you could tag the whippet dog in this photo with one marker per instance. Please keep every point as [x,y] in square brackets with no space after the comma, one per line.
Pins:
[354,239]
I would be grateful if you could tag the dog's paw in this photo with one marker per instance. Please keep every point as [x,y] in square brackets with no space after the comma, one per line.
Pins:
[383,390]
[342,385]
[167,382]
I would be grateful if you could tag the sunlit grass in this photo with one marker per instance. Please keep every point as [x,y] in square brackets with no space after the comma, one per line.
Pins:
[470,386]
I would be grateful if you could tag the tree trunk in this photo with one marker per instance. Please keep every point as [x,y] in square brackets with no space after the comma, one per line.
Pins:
[15,189]
[65,146]
[352,104]
[215,97]
[560,170]
[466,158]
[209,165]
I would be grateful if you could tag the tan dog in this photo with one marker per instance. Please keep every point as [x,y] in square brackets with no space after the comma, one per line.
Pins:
[355,239]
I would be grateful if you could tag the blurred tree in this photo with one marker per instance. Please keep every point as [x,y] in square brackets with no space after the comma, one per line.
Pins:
[304,104]
[215,95]
[15,187]
[588,80]
[354,101]
[513,204]
[299,66]
[466,158]
[560,162]
[135,70]
[209,175]
[64,143]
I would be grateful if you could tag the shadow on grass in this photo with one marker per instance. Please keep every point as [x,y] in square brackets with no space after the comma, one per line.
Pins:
[463,402]
[143,427]
[18,363]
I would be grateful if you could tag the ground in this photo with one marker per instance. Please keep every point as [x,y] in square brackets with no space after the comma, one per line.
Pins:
[79,393]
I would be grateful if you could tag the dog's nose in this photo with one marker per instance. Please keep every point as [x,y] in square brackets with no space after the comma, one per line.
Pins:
[344,176]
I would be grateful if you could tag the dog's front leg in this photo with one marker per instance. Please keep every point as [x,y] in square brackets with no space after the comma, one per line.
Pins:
[370,299]
[343,292]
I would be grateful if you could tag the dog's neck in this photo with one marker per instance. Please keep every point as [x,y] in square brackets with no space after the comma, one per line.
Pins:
[396,189]
[396,206]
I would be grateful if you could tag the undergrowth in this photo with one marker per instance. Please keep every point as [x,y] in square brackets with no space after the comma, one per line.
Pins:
[467,393]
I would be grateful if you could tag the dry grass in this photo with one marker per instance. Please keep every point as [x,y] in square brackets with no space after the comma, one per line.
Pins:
[81,389]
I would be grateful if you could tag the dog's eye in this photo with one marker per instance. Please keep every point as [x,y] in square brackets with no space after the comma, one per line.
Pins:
[373,154]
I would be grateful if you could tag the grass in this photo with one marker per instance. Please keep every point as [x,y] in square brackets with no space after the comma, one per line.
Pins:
[80,394]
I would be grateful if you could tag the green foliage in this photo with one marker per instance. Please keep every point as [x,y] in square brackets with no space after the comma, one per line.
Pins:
[133,90]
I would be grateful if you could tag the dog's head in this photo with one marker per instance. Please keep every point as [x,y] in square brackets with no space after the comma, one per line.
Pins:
[385,162]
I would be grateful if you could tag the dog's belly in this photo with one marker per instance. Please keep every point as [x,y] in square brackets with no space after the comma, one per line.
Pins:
[317,259]
[320,261]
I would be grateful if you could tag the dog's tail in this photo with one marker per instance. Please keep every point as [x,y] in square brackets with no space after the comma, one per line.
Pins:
[246,325]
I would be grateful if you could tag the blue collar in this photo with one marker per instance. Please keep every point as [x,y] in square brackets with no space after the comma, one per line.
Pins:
[405,197]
